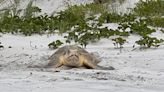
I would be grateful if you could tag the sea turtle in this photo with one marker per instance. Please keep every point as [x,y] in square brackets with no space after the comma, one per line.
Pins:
[75,57]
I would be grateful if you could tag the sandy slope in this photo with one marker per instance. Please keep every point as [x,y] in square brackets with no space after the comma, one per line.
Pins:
[136,71]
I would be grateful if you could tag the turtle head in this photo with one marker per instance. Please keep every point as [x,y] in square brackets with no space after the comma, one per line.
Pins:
[72,53]
[72,57]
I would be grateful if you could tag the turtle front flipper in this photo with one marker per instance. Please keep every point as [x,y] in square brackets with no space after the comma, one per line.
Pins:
[94,66]
[54,65]
[90,63]
[55,62]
